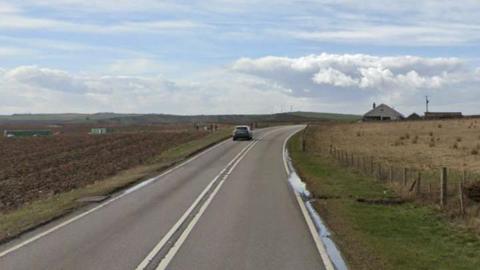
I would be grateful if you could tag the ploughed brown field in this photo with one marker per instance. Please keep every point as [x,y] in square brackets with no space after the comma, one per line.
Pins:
[416,144]
[37,167]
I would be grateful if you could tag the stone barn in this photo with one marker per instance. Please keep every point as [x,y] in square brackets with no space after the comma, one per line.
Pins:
[382,112]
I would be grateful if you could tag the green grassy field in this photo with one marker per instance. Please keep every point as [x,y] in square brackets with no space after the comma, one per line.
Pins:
[372,236]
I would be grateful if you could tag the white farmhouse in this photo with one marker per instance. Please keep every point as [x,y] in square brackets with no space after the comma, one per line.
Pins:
[382,112]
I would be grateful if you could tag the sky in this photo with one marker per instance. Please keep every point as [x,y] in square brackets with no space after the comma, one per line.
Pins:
[242,56]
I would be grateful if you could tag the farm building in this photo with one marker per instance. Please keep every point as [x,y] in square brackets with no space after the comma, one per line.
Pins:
[414,116]
[443,115]
[382,113]
[26,133]
[97,131]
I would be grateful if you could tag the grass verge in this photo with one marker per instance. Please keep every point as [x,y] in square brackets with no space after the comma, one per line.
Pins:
[42,211]
[371,236]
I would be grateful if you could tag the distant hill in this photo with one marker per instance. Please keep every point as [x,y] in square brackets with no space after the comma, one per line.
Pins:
[330,116]
[61,117]
[126,119]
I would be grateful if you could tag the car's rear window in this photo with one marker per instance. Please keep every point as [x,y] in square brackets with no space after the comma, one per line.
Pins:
[241,128]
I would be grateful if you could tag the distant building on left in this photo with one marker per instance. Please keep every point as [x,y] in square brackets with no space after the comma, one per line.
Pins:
[382,112]
[26,133]
[99,131]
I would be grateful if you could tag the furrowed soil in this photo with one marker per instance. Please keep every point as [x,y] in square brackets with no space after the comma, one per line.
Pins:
[42,178]
[39,167]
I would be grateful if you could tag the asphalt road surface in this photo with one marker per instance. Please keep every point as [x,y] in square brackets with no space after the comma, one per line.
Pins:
[230,207]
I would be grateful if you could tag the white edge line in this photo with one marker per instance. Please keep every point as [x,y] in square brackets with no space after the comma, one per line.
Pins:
[175,227]
[313,231]
[75,218]
[171,253]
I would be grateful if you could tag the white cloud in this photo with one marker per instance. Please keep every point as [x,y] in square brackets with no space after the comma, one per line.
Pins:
[36,89]
[135,66]
[18,21]
[425,34]
[359,70]
[12,52]
[50,79]
[333,77]
[104,5]
[326,82]
[7,8]
[364,78]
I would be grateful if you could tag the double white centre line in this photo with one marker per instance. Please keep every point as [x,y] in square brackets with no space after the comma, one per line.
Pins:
[206,197]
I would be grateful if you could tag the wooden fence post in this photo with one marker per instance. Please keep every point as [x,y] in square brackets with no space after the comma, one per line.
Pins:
[365,165]
[304,146]
[460,194]
[371,166]
[443,187]
[303,142]
[379,173]
[390,174]
[419,183]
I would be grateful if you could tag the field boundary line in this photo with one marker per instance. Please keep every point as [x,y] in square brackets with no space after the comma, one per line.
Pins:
[327,262]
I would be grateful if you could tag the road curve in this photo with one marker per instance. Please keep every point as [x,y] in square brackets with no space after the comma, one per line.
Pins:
[229,208]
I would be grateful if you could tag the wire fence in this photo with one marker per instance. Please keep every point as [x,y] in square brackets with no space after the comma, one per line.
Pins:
[457,192]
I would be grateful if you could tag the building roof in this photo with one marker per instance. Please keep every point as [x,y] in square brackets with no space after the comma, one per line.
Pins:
[414,116]
[443,113]
[383,110]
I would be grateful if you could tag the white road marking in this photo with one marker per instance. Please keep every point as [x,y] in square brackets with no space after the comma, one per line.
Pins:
[75,218]
[187,213]
[171,253]
[313,231]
